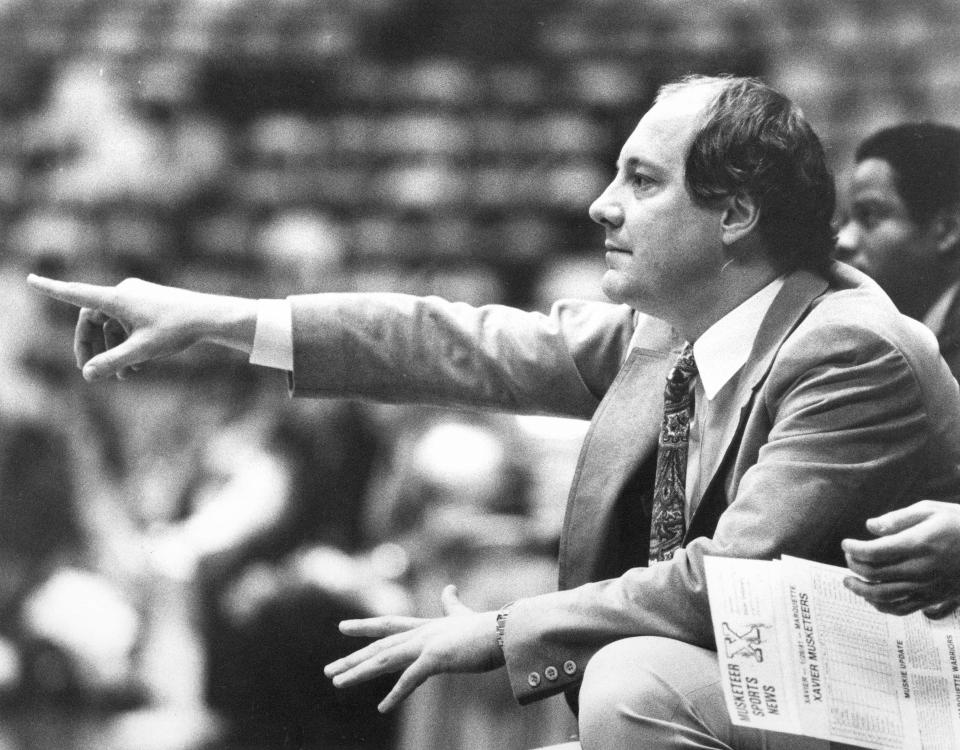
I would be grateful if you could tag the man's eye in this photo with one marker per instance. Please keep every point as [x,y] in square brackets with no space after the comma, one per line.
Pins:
[871,215]
[641,180]
[867,219]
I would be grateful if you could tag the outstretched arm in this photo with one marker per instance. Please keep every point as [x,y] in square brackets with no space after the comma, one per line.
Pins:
[913,564]
[121,327]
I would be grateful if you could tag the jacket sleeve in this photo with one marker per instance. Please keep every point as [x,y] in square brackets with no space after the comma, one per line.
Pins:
[838,432]
[400,348]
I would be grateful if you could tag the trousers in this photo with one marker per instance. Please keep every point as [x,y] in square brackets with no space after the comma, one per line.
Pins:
[661,694]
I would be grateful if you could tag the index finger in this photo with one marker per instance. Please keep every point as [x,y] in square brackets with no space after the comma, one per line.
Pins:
[378,627]
[872,552]
[899,520]
[74,292]
[885,550]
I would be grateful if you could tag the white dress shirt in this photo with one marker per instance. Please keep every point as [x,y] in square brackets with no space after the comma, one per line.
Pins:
[273,337]
[936,316]
[720,353]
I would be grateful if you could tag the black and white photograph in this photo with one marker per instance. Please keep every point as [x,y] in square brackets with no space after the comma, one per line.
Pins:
[384,374]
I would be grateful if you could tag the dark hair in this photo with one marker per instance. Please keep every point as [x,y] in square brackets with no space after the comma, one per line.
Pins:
[925,158]
[755,141]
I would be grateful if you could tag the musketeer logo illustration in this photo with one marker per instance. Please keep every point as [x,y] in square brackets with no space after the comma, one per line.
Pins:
[745,645]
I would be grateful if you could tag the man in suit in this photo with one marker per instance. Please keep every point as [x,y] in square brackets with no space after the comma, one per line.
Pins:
[903,229]
[799,403]
[903,225]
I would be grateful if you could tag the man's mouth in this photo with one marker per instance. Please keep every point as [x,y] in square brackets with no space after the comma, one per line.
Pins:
[612,248]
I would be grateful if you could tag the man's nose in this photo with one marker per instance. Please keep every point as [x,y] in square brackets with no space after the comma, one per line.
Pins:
[606,211]
[847,242]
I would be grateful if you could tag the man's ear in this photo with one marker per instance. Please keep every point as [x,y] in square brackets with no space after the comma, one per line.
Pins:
[946,227]
[740,217]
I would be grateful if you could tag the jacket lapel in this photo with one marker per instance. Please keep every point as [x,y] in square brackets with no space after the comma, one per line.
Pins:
[622,435]
[789,307]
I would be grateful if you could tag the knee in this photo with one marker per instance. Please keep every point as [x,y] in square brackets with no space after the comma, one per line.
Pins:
[602,679]
[645,689]
[617,680]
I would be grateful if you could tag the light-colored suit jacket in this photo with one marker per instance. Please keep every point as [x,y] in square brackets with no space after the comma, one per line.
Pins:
[844,410]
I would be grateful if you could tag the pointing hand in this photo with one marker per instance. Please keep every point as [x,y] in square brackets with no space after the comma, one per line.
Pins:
[121,327]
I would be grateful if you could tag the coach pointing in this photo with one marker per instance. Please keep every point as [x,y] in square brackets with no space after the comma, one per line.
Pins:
[748,398]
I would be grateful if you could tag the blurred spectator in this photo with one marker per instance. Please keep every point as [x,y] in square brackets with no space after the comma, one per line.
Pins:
[456,502]
[274,520]
[303,249]
[97,144]
[67,629]
[41,534]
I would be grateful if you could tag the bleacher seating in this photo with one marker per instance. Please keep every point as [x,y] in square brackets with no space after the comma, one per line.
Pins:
[397,135]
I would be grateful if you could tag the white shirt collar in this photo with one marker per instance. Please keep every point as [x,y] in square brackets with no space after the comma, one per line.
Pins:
[937,314]
[723,348]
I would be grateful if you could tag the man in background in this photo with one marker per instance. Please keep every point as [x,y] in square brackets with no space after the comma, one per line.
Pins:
[903,230]
[903,227]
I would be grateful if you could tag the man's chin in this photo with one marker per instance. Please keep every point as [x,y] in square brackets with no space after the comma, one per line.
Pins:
[611,286]
[608,289]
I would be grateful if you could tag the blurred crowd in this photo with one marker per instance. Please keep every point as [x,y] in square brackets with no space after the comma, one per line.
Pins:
[175,550]
[179,547]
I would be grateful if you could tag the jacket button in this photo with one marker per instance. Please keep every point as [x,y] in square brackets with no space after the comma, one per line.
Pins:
[533,679]
[551,673]
[570,667]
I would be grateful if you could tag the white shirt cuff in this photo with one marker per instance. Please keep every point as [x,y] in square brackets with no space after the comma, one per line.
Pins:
[273,337]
